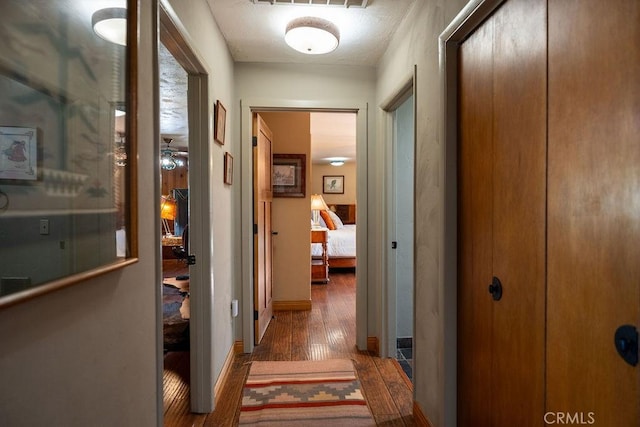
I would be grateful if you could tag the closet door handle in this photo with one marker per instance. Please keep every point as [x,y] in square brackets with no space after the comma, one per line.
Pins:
[495,289]
[626,341]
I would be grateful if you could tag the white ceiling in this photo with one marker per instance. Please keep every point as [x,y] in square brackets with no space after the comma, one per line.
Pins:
[255,33]
[333,136]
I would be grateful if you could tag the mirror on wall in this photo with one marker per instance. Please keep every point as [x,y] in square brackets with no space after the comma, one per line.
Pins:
[67,153]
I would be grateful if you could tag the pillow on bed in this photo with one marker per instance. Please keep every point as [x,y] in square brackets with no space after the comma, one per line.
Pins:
[327,220]
[337,222]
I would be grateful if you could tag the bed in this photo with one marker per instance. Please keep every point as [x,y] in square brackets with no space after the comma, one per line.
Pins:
[341,245]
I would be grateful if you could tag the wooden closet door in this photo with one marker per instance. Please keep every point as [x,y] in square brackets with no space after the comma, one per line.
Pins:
[594,207]
[475,228]
[519,206]
[502,192]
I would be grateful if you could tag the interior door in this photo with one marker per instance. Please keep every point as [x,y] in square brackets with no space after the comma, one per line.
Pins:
[594,208]
[262,250]
[475,227]
[401,267]
[502,218]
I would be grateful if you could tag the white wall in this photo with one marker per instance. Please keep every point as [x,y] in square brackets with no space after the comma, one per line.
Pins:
[416,42]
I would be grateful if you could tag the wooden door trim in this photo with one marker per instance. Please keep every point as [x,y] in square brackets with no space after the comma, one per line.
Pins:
[469,18]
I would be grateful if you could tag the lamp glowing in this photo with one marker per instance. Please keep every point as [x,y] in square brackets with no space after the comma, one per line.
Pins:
[317,205]
[168,208]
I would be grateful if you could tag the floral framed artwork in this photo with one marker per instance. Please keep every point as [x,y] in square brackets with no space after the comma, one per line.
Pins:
[289,171]
[18,153]
[220,119]
[228,168]
[333,184]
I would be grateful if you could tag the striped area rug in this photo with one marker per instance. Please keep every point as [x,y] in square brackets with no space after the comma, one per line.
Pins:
[304,393]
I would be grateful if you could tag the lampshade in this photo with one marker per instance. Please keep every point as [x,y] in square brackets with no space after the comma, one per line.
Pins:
[168,208]
[311,35]
[111,24]
[317,203]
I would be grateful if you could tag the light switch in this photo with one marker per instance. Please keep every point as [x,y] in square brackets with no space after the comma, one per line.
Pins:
[44,226]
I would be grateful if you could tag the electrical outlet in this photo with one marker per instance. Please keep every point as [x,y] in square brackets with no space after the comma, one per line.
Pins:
[44,226]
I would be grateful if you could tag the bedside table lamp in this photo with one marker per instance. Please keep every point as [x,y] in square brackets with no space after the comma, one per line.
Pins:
[168,208]
[317,205]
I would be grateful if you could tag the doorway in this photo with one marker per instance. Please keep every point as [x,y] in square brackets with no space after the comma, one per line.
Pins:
[401,259]
[304,142]
[398,251]
[194,215]
[247,191]
[174,201]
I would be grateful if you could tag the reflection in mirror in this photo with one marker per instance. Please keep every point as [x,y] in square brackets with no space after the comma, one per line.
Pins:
[64,149]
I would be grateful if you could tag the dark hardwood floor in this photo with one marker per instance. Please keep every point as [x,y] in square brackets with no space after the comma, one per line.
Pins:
[325,332]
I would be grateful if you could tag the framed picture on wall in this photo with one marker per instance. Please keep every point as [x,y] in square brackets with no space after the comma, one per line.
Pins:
[333,184]
[18,153]
[228,168]
[220,118]
[289,175]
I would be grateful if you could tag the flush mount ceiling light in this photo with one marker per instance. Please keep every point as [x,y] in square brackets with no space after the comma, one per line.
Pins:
[111,24]
[313,36]
[336,161]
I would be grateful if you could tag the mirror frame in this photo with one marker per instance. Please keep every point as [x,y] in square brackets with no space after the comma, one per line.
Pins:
[130,186]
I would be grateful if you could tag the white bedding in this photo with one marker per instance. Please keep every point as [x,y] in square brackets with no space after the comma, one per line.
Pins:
[341,243]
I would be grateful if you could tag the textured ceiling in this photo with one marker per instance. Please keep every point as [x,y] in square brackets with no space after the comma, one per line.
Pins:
[255,33]
[173,100]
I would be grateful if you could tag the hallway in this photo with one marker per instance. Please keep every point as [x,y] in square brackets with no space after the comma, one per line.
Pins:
[325,332]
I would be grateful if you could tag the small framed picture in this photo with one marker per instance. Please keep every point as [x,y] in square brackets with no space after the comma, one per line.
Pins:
[220,119]
[333,184]
[228,168]
[18,153]
[289,171]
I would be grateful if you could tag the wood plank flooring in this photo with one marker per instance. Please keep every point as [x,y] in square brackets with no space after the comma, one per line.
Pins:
[325,332]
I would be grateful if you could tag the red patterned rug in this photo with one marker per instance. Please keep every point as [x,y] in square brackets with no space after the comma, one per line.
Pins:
[310,393]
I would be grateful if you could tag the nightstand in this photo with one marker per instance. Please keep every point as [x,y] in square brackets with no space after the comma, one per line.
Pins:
[320,264]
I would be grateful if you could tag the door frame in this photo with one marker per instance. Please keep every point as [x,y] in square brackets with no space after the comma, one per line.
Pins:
[173,35]
[250,106]
[388,336]
[450,40]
